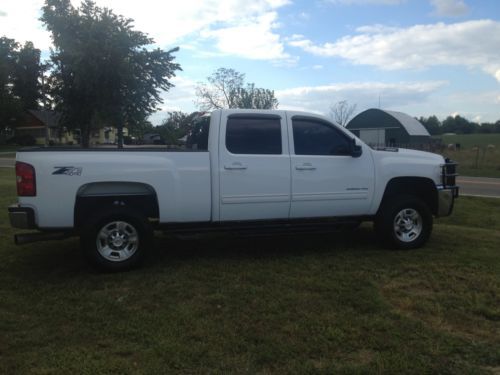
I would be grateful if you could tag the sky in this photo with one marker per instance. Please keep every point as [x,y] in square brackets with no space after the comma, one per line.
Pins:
[421,57]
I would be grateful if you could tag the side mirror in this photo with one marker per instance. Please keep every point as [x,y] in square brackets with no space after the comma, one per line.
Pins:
[356,150]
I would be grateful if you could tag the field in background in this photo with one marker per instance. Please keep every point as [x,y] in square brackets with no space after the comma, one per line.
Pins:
[291,304]
[474,156]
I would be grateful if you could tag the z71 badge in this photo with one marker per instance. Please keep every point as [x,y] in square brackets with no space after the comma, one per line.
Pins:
[68,171]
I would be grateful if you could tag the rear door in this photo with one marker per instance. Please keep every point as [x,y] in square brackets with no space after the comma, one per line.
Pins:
[254,166]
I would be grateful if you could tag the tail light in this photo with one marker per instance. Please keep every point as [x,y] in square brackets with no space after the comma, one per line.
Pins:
[25,179]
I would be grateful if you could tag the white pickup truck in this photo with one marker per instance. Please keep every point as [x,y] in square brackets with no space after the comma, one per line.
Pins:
[241,170]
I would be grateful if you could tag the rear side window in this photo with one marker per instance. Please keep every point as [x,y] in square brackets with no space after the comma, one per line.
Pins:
[254,135]
[312,137]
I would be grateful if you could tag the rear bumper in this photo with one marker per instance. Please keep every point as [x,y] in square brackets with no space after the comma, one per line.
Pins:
[22,217]
[446,199]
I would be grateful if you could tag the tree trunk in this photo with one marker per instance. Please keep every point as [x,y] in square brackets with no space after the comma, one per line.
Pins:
[120,135]
[85,137]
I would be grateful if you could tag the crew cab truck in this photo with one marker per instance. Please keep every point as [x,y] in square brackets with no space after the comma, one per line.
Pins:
[241,169]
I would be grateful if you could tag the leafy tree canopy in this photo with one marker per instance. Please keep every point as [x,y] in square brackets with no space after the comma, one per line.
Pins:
[104,71]
[20,88]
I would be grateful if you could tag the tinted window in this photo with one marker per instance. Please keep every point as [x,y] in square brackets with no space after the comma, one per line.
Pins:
[318,138]
[247,135]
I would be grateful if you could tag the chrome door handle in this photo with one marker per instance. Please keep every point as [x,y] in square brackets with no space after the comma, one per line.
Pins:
[305,167]
[235,166]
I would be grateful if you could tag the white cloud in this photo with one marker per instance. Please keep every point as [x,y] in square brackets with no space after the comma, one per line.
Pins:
[364,94]
[179,98]
[169,23]
[449,8]
[364,2]
[20,22]
[473,44]
[252,38]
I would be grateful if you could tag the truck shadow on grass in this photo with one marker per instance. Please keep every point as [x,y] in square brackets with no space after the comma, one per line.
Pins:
[59,260]
[169,249]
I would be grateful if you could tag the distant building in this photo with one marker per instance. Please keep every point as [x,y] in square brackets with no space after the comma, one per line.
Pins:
[106,135]
[45,128]
[152,139]
[380,128]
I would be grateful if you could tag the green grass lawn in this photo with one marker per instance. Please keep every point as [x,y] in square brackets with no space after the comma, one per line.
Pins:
[471,140]
[290,304]
[482,161]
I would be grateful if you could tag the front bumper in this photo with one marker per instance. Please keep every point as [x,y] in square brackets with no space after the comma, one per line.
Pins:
[446,199]
[22,217]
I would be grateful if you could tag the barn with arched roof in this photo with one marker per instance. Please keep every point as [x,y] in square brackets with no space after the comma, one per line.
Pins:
[379,128]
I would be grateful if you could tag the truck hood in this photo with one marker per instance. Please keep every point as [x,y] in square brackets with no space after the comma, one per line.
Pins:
[410,154]
[404,162]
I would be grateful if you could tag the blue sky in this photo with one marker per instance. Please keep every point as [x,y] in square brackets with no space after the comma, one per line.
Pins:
[421,57]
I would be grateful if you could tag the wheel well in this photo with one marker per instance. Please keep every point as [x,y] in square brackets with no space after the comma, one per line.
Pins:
[423,188]
[98,197]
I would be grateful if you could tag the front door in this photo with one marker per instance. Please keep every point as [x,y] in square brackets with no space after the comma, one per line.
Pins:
[254,167]
[326,180]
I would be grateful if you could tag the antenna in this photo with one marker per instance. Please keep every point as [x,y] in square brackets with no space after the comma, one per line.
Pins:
[379,101]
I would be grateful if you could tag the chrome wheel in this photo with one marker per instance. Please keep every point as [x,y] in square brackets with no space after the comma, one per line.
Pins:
[408,225]
[117,241]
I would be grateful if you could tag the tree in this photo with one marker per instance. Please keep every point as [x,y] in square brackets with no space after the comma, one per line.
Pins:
[141,128]
[9,106]
[20,71]
[103,71]
[27,75]
[342,111]
[458,124]
[432,124]
[176,125]
[252,97]
[226,89]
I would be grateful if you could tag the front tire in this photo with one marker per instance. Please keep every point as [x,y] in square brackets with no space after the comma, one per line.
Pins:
[116,241]
[404,222]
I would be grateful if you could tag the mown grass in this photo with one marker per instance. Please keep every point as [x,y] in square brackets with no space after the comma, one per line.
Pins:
[290,304]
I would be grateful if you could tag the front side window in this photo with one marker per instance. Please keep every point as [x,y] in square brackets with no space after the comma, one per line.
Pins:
[254,135]
[312,137]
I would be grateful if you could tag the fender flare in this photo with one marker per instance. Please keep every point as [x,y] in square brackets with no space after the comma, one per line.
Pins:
[94,197]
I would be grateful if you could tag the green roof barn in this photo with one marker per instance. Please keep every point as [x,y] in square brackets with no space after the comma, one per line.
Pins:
[380,128]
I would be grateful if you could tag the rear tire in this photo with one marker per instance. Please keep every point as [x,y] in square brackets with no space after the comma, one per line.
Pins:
[116,241]
[404,222]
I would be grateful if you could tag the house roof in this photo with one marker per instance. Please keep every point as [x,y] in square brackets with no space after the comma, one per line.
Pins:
[48,118]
